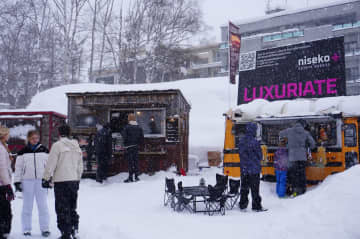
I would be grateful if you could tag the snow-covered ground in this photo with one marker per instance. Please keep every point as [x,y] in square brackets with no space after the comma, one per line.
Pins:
[135,211]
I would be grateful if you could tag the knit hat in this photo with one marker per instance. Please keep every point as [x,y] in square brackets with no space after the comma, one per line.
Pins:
[3,131]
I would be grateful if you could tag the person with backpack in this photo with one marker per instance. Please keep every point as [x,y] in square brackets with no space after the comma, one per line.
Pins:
[133,137]
[29,170]
[250,167]
[64,168]
[6,191]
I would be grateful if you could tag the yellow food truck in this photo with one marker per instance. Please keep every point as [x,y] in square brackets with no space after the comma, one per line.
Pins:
[336,136]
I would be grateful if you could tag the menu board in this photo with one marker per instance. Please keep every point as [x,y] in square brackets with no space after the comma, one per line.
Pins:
[172,130]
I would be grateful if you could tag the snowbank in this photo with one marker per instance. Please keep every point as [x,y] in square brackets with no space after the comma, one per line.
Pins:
[209,99]
[135,211]
[348,105]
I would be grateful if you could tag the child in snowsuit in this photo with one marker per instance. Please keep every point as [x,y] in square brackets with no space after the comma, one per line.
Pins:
[281,164]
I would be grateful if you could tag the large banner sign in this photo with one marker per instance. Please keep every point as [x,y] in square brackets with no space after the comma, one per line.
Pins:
[234,51]
[308,70]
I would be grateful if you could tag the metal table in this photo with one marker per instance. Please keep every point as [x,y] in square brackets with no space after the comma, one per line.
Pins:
[199,194]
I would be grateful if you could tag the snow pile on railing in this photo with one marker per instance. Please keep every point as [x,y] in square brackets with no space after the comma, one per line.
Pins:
[347,105]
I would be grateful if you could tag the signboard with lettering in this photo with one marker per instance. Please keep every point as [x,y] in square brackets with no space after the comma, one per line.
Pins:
[172,129]
[307,70]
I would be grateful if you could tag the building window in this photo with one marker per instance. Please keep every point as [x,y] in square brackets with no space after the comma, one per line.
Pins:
[346,25]
[152,121]
[282,36]
[105,80]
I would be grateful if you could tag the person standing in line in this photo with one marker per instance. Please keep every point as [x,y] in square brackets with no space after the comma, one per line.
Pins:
[6,191]
[298,141]
[281,163]
[250,167]
[103,148]
[29,170]
[64,168]
[133,137]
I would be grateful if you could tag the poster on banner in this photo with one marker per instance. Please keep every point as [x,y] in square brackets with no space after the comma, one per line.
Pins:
[307,70]
[234,51]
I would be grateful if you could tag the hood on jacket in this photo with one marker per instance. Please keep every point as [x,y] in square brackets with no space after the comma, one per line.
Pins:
[251,129]
[299,128]
[71,143]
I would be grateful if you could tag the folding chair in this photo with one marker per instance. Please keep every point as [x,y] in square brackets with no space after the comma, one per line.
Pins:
[170,191]
[216,200]
[221,181]
[182,201]
[234,193]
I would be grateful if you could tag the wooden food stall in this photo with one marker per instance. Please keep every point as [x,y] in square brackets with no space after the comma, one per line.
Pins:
[162,114]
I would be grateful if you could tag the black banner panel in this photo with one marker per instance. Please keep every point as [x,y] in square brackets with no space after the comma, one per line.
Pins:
[308,70]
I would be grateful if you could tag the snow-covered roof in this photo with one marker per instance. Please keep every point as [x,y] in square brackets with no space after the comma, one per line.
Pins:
[208,97]
[292,11]
[347,105]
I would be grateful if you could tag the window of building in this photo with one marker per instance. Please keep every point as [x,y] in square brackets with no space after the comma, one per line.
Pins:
[105,80]
[152,121]
[284,35]
[346,25]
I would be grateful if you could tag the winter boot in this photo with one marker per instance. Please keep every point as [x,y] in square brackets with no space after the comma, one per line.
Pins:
[137,178]
[65,236]
[129,180]
[45,234]
[27,234]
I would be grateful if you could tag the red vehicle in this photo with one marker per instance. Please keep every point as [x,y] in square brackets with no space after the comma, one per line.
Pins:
[21,121]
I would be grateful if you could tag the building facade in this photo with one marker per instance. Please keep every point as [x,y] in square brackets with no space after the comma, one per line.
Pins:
[305,25]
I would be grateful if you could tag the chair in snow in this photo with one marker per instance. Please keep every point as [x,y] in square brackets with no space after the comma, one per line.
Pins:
[221,181]
[234,194]
[170,191]
[182,201]
[216,200]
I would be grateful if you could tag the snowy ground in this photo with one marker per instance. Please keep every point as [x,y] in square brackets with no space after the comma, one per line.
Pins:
[135,211]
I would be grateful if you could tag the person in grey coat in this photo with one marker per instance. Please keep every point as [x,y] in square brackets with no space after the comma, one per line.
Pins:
[298,141]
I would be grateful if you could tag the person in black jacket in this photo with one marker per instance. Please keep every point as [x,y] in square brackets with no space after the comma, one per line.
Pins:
[133,137]
[103,148]
[250,167]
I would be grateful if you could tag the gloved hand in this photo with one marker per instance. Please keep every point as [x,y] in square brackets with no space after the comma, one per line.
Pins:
[18,187]
[46,183]
[9,193]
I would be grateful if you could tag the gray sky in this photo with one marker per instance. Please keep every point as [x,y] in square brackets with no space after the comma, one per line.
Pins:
[219,12]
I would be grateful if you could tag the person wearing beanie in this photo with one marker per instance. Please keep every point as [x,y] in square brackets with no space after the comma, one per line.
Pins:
[133,136]
[6,192]
[29,170]
[64,168]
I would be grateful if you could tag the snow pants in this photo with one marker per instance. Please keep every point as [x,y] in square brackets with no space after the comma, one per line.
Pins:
[132,155]
[32,189]
[102,167]
[5,213]
[297,177]
[66,194]
[281,182]
[252,182]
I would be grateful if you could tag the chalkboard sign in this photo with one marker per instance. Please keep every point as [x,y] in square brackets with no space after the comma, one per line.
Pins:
[172,130]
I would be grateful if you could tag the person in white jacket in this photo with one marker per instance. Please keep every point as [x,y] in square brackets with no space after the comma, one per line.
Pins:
[64,168]
[29,170]
[6,192]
